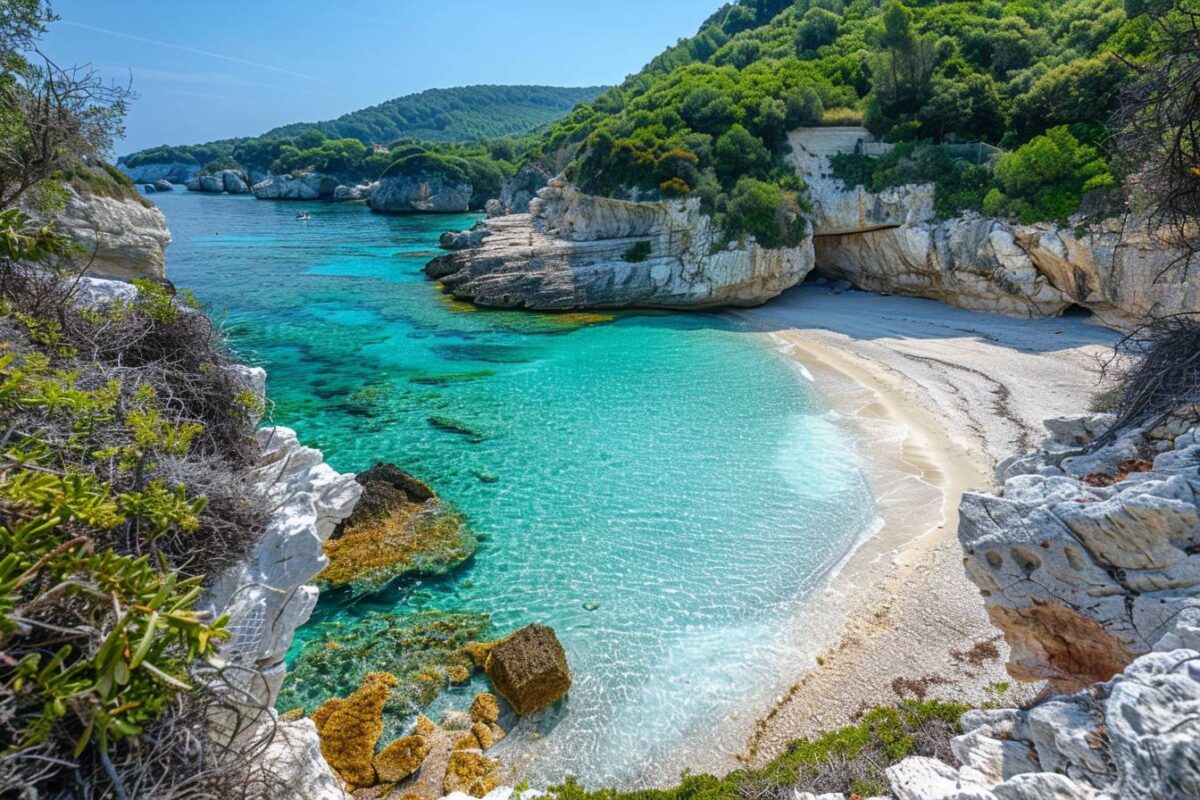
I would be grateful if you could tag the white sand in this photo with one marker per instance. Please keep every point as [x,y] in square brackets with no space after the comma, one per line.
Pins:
[939,395]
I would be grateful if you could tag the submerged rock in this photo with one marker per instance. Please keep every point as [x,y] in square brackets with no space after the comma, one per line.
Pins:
[399,527]
[529,668]
[574,250]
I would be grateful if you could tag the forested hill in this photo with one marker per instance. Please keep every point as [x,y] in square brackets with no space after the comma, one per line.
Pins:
[463,114]
[1041,79]
[466,113]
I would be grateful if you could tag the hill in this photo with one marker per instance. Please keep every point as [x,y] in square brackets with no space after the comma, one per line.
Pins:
[710,115]
[464,114]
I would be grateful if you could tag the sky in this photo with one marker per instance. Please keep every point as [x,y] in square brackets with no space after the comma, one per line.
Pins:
[213,69]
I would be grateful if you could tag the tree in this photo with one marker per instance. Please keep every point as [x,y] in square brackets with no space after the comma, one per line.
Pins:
[969,106]
[740,153]
[1159,125]
[817,27]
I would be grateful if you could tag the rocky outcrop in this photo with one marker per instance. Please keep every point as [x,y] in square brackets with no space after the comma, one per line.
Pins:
[173,172]
[580,251]
[229,181]
[518,191]
[1087,558]
[423,193]
[1135,736]
[124,237]
[529,668]
[972,262]
[306,186]
[362,191]
[269,595]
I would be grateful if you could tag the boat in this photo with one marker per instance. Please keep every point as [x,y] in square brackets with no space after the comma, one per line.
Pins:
[304,216]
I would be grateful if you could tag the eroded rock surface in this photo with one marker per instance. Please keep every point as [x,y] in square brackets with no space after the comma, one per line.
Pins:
[1087,559]
[580,251]
[308,186]
[230,181]
[529,668]
[420,194]
[123,237]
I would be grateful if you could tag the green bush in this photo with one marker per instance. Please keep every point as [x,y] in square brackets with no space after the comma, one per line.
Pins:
[637,252]
[772,215]
[428,164]
[1047,178]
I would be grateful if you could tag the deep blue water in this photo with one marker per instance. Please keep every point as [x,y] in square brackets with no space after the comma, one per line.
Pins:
[672,469]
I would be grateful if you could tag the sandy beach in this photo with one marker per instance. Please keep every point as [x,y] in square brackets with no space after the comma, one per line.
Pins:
[938,396]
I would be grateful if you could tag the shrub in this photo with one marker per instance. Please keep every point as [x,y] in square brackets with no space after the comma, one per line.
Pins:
[428,164]
[637,252]
[1047,178]
[765,211]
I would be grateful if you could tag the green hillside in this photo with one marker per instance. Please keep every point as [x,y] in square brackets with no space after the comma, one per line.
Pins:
[709,116]
[464,114]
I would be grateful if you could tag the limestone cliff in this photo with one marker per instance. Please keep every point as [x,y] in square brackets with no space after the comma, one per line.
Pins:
[574,250]
[892,242]
[125,237]
[432,193]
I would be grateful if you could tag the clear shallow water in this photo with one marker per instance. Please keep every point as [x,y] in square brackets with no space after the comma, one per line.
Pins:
[670,468]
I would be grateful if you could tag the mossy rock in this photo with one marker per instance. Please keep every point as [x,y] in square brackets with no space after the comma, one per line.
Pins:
[399,526]
[485,708]
[350,728]
[529,668]
[401,758]
[472,772]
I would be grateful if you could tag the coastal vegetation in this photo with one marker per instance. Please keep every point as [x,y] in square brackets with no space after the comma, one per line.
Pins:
[125,432]
[1038,80]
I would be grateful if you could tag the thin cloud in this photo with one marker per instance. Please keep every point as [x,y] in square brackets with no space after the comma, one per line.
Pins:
[186,49]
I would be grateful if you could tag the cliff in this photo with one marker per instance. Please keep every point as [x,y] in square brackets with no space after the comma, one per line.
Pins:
[125,237]
[422,193]
[574,250]
[892,242]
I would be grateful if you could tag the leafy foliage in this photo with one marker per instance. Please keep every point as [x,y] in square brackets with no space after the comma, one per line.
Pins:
[1047,177]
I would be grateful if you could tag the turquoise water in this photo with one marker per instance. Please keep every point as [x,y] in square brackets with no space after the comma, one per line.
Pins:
[672,472]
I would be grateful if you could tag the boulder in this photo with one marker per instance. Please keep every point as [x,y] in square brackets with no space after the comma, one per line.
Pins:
[227,180]
[149,188]
[423,193]
[471,772]
[235,182]
[529,668]
[362,191]
[350,728]
[163,185]
[307,186]
[462,240]
[400,759]
[518,191]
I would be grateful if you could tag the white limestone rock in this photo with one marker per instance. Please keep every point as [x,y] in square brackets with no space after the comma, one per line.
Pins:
[293,767]
[425,193]
[362,191]
[125,238]
[575,250]
[269,596]
[307,186]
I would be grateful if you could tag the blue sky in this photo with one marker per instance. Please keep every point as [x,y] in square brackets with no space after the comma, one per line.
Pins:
[211,69]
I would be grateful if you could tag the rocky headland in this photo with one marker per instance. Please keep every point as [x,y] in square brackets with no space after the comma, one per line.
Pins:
[428,192]
[574,250]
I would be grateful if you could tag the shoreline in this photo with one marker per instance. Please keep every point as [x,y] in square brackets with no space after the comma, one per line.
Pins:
[936,397]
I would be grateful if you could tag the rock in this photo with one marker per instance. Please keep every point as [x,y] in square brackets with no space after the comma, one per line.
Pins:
[1043,786]
[148,188]
[529,668]
[125,238]
[268,595]
[307,186]
[1083,578]
[494,208]
[172,172]
[400,759]
[163,186]
[424,193]
[292,760]
[579,251]
[226,180]
[470,772]
[362,191]
[451,240]
[921,778]
[485,708]
[399,526]
[350,728]
[518,191]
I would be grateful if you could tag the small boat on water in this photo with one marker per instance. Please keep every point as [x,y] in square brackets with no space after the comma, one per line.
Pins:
[304,216]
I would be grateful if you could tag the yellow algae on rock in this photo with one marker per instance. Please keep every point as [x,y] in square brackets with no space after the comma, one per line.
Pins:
[350,728]
[292,715]
[483,735]
[485,708]
[471,772]
[467,742]
[529,668]
[479,652]
[400,759]
[425,726]
[458,675]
